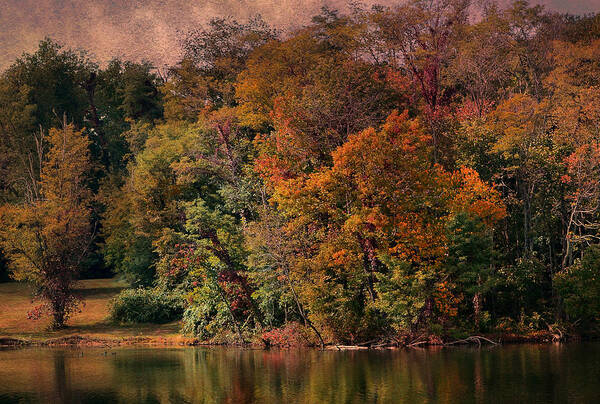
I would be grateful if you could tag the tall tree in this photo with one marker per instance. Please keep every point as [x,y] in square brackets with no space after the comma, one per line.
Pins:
[47,236]
[35,91]
[213,57]
[421,37]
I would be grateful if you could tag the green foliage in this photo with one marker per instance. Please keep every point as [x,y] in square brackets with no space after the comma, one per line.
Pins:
[145,207]
[216,263]
[139,92]
[470,251]
[403,293]
[206,318]
[125,94]
[146,306]
[579,288]
[36,91]
[522,285]
[53,75]
[470,259]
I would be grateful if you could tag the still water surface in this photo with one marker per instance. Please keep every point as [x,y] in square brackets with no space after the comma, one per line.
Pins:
[568,373]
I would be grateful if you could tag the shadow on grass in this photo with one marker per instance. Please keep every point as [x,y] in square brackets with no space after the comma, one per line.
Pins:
[98,292]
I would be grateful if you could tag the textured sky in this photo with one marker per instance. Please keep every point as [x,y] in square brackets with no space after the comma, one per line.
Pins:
[148,29]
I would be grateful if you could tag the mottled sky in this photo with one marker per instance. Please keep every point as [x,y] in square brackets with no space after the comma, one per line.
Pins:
[148,29]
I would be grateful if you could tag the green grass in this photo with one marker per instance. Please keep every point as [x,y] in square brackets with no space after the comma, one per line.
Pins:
[92,321]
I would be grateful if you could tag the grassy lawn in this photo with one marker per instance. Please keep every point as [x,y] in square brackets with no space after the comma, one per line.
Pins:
[92,321]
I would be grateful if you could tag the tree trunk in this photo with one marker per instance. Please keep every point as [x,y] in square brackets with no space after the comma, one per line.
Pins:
[477,304]
[90,88]
[477,309]
[224,256]
[370,264]
[301,310]
[58,315]
[233,319]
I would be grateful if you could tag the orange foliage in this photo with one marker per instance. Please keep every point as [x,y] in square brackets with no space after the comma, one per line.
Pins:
[446,302]
[476,197]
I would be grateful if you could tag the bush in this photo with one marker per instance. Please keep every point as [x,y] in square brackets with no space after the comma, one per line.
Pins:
[204,320]
[146,306]
[291,335]
[579,287]
[195,322]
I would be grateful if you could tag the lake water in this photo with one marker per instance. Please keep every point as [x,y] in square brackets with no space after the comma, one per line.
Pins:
[568,373]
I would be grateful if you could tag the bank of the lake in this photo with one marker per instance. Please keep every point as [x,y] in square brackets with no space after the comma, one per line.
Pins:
[91,325]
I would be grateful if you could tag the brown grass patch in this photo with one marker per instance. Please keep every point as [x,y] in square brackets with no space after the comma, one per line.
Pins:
[90,324]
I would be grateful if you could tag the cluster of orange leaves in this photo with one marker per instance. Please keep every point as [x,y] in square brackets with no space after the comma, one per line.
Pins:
[446,302]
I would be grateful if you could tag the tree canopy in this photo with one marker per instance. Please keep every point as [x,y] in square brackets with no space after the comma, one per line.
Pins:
[394,172]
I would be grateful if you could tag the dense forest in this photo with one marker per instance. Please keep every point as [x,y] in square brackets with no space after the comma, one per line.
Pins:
[426,169]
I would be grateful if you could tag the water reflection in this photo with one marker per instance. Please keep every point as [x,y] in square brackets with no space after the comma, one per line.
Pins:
[524,374]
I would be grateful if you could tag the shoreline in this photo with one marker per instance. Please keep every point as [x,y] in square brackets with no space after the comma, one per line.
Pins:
[91,341]
[82,340]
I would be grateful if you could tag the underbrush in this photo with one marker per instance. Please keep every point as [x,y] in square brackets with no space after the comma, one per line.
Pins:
[290,335]
[146,306]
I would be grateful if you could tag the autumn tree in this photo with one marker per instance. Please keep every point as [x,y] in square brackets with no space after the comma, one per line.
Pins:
[420,38]
[531,29]
[213,56]
[373,228]
[144,208]
[314,90]
[481,63]
[575,96]
[47,236]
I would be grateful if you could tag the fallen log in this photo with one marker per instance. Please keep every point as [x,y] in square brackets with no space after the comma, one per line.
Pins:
[348,347]
[470,340]
[417,343]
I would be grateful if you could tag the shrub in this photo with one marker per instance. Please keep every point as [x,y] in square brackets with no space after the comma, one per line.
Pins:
[196,322]
[205,320]
[291,335]
[579,287]
[146,306]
